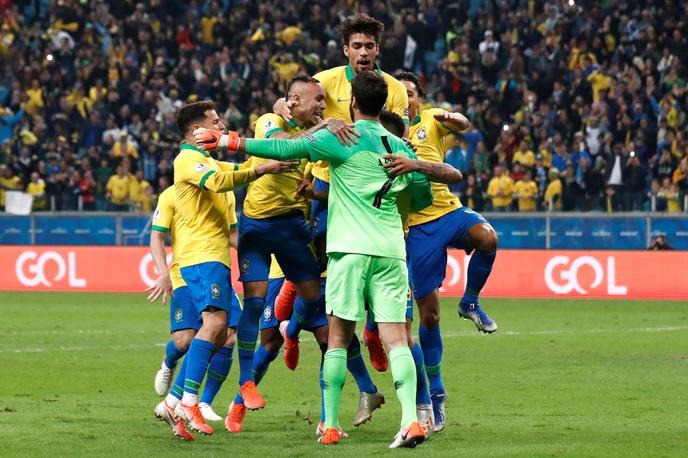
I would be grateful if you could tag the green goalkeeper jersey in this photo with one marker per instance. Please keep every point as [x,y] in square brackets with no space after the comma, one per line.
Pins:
[363,214]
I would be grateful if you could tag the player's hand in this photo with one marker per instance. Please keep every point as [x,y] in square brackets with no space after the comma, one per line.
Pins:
[399,165]
[345,132]
[162,286]
[410,145]
[276,167]
[305,189]
[209,139]
[283,108]
[457,120]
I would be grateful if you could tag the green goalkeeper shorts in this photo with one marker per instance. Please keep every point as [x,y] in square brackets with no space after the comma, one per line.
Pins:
[354,280]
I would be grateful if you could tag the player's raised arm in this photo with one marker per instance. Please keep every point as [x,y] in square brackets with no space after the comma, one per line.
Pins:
[453,122]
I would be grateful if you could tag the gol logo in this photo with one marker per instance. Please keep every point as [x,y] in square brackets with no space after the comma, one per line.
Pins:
[567,280]
[147,269]
[31,269]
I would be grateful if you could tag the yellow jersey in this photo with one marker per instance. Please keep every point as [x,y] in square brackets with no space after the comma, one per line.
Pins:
[526,190]
[553,192]
[337,84]
[38,189]
[275,269]
[201,202]
[119,189]
[427,136]
[502,183]
[272,195]
[526,158]
[140,193]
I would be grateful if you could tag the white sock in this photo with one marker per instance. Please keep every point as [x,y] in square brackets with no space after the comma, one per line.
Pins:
[171,400]
[189,399]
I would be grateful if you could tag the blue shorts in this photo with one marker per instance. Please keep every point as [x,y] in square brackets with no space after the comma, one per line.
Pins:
[268,320]
[319,210]
[287,237]
[210,286]
[183,315]
[427,244]
[409,297]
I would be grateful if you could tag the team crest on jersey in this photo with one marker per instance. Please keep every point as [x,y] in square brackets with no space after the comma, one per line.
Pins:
[201,167]
[244,265]
[215,290]
[267,313]
[269,125]
[422,134]
[178,315]
[316,222]
[156,214]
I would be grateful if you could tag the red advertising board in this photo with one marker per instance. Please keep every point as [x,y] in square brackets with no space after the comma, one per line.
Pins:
[517,273]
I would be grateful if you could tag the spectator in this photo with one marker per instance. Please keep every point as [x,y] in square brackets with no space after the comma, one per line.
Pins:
[124,147]
[615,176]
[524,155]
[118,190]
[657,201]
[36,188]
[473,195]
[680,176]
[8,182]
[525,190]
[635,175]
[480,160]
[457,156]
[501,189]
[87,189]
[553,193]
[669,192]
[612,200]
[140,193]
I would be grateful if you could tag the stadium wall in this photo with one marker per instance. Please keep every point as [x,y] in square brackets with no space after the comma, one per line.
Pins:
[517,273]
[578,231]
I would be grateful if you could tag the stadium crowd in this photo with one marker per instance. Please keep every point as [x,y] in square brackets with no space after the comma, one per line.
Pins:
[575,105]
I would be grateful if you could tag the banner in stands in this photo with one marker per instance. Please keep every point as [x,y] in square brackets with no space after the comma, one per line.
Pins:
[517,273]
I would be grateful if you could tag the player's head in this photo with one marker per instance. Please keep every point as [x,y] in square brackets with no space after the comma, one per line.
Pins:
[368,95]
[198,114]
[393,123]
[361,36]
[308,100]
[414,90]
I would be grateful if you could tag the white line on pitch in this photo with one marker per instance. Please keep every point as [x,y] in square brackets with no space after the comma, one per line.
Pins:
[72,332]
[80,348]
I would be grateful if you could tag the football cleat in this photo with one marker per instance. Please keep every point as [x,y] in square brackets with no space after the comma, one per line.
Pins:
[164,412]
[291,347]
[411,436]
[367,403]
[426,418]
[163,379]
[193,416]
[252,398]
[473,312]
[235,418]
[284,303]
[208,412]
[378,357]
[321,429]
[329,437]
[439,401]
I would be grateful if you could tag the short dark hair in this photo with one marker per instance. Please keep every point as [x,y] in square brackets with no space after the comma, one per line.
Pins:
[192,112]
[393,123]
[360,23]
[411,78]
[299,79]
[370,91]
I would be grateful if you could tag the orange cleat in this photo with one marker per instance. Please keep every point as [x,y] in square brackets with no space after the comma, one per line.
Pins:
[291,348]
[252,398]
[193,416]
[378,357]
[235,418]
[163,411]
[284,303]
[330,437]
[410,436]
[321,428]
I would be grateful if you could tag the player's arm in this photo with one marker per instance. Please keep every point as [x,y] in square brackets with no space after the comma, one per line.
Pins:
[438,172]
[452,122]
[163,284]
[345,132]
[234,238]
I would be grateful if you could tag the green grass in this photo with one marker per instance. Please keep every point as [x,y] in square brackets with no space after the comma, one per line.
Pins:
[575,378]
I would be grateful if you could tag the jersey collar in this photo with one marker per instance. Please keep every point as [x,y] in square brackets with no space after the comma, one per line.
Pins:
[291,123]
[416,120]
[195,148]
[350,74]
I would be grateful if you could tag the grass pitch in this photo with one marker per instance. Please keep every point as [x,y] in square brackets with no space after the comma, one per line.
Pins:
[561,377]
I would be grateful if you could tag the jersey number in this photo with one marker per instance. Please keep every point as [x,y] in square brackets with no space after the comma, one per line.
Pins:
[377,202]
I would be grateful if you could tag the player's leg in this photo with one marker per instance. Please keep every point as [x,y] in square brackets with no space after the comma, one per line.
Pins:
[211,290]
[387,294]
[254,265]
[267,351]
[371,338]
[320,332]
[370,398]
[477,236]
[220,364]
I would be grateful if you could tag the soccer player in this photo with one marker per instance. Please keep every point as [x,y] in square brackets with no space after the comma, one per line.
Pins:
[200,185]
[184,320]
[360,39]
[433,229]
[365,243]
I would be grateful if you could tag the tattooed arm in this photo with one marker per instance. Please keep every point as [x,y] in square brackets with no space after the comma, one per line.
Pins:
[438,172]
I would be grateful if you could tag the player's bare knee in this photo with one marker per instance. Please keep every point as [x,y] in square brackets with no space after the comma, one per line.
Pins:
[182,339]
[271,340]
[231,337]
[485,238]
[409,333]
[309,290]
